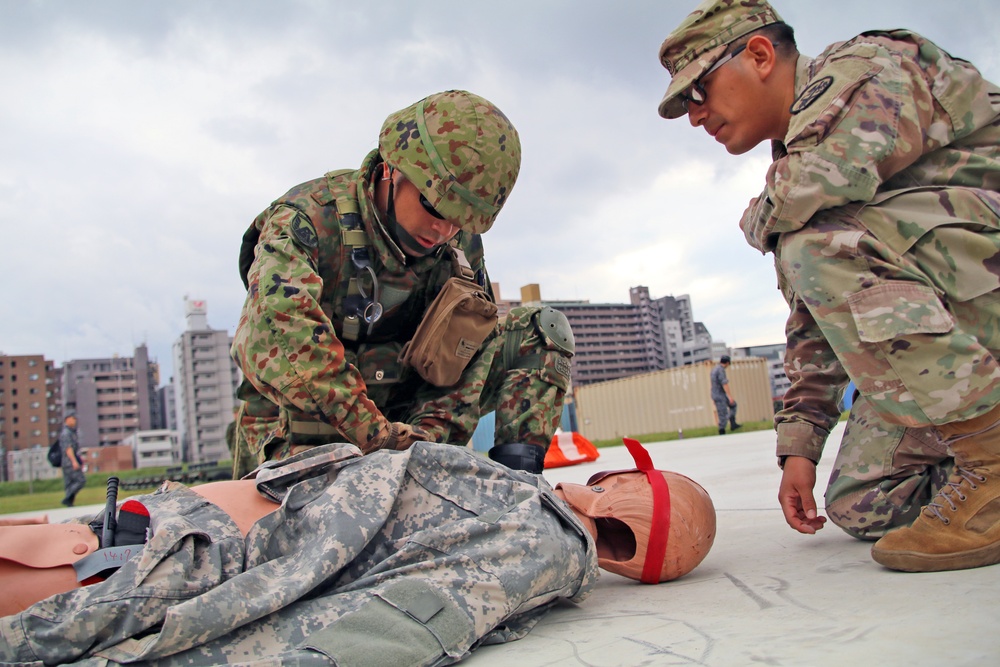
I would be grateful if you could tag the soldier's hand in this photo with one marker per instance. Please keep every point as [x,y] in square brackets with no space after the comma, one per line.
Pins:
[795,495]
[397,436]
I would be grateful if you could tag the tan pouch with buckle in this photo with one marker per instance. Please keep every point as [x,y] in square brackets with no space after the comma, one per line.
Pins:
[452,330]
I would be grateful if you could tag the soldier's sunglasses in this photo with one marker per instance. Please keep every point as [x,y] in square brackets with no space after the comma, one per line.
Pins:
[696,93]
[430,209]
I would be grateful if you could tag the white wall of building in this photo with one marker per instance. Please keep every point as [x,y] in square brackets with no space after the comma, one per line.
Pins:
[154,449]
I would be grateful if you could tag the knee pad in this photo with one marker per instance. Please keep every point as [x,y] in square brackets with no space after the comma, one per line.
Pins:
[555,328]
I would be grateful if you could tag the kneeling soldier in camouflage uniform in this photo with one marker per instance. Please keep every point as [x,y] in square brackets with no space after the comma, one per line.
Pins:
[883,213]
[342,273]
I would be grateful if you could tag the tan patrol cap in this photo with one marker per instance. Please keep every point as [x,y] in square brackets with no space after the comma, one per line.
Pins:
[702,38]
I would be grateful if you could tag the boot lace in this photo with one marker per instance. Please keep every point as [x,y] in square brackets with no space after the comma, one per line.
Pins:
[952,491]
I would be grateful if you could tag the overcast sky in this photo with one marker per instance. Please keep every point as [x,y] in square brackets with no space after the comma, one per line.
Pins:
[138,140]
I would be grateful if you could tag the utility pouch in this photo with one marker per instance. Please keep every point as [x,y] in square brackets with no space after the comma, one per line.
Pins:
[452,330]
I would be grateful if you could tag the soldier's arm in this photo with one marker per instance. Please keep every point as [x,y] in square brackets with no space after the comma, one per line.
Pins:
[812,403]
[870,119]
[287,346]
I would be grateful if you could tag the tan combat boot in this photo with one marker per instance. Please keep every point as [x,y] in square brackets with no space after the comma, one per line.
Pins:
[960,527]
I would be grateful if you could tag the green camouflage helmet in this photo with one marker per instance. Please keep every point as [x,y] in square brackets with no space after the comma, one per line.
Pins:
[460,151]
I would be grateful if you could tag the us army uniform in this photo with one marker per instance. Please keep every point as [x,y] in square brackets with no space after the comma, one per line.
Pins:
[316,372]
[396,558]
[881,209]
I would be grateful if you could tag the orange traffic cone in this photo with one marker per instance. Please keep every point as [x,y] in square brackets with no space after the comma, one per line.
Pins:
[568,449]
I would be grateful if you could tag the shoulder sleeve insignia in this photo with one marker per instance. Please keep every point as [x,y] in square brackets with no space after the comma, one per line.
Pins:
[812,93]
[304,232]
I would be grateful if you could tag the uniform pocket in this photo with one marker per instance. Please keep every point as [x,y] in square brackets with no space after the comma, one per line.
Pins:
[406,623]
[892,310]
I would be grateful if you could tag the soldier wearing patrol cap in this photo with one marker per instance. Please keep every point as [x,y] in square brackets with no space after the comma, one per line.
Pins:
[342,272]
[881,209]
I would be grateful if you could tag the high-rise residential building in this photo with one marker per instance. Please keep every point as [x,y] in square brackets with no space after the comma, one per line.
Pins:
[113,397]
[615,340]
[30,412]
[168,407]
[205,382]
[688,342]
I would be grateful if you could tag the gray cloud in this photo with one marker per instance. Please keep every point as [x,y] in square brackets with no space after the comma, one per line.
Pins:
[138,141]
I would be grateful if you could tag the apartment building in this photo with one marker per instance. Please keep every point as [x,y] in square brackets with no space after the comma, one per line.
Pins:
[204,387]
[151,449]
[615,340]
[113,397]
[30,415]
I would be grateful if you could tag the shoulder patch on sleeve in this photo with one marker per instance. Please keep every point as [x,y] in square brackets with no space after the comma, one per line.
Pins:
[304,232]
[827,99]
[812,93]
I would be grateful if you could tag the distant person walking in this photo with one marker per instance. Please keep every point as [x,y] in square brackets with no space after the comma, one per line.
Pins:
[725,404]
[72,467]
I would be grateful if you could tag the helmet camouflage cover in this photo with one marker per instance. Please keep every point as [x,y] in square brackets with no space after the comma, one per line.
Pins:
[460,151]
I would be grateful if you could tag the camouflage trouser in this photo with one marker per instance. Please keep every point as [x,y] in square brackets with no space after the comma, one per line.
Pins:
[915,320]
[884,473]
[519,372]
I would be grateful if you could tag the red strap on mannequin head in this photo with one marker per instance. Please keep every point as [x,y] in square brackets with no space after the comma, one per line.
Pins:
[656,550]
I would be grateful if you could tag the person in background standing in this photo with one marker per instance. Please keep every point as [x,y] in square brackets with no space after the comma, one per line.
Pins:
[722,396]
[72,466]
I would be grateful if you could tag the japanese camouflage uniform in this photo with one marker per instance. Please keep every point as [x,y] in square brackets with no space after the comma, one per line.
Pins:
[396,558]
[316,372]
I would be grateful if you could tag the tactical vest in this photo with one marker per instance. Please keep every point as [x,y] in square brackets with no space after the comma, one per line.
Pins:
[347,263]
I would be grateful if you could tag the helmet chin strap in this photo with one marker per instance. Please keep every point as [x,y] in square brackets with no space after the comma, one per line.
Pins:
[405,240]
